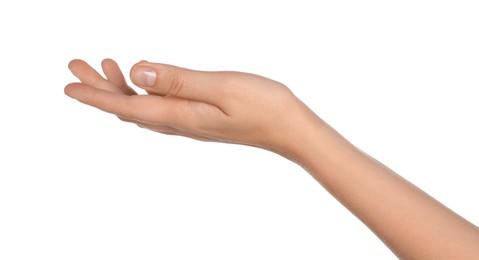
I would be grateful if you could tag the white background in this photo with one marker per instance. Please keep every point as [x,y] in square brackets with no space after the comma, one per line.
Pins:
[397,78]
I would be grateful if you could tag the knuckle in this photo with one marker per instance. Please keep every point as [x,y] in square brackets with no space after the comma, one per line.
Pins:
[177,83]
[92,97]
[127,112]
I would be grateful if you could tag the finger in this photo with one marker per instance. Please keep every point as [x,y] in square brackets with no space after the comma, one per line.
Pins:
[169,80]
[86,74]
[150,109]
[131,107]
[115,76]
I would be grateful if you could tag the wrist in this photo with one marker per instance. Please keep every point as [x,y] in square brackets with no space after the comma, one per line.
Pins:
[304,133]
[316,146]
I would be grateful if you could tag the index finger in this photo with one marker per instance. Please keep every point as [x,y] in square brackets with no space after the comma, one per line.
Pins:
[140,108]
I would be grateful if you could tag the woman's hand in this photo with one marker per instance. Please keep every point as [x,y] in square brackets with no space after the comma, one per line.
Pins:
[228,107]
[249,109]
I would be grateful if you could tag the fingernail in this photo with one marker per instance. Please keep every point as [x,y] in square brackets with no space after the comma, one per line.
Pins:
[144,76]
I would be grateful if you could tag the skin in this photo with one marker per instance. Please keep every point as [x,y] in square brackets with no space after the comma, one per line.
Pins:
[248,109]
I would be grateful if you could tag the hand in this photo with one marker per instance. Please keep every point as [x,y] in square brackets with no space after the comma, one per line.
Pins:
[228,107]
[248,109]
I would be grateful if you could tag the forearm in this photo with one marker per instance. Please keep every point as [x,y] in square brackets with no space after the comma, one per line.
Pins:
[410,222]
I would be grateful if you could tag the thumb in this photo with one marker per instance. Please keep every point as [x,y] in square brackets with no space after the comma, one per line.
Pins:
[168,80]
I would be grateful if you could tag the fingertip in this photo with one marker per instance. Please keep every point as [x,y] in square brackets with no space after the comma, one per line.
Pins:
[72,90]
[107,64]
[143,76]
[74,63]
[108,61]
[67,90]
[141,62]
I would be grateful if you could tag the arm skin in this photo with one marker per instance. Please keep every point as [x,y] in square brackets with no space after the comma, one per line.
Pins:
[248,109]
